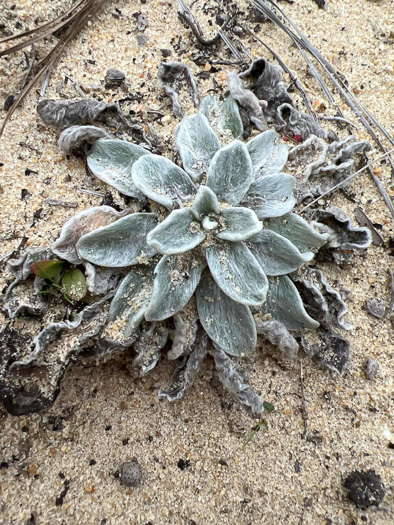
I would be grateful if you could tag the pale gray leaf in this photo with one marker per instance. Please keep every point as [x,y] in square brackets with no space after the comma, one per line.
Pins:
[285,305]
[246,99]
[230,119]
[238,224]
[176,278]
[100,281]
[162,181]
[178,233]
[111,161]
[131,300]
[229,324]
[205,202]
[186,325]
[295,122]
[277,334]
[237,272]
[230,173]
[120,244]
[298,231]
[276,254]
[197,144]
[271,195]
[82,223]
[268,154]
[149,345]
[233,381]
[74,137]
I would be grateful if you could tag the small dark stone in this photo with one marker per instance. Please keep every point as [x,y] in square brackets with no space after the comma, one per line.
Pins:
[8,102]
[391,446]
[108,428]
[3,464]
[25,428]
[165,52]
[130,473]
[28,172]
[223,462]
[365,488]
[183,464]
[297,467]
[114,78]
[92,462]
[125,441]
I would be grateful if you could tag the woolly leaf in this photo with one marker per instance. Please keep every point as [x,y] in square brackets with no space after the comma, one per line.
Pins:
[238,224]
[47,269]
[178,233]
[230,119]
[175,282]
[197,144]
[227,323]
[162,181]
[74,284]
[120,244]
[276,254]
[267,156]
[82,223]
[285,305]
[131,301]
[111,161]
[205,202]
[298,231]
[237,272]
[271,195]
[230,173]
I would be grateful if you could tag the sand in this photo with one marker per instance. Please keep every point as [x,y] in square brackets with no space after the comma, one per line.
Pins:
[61,465]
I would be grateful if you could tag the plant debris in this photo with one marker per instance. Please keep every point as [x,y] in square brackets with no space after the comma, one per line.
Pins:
[365,488]
[171,75]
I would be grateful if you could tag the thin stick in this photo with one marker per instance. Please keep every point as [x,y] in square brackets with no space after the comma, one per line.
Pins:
[304,411]
[340,119]
[391,305]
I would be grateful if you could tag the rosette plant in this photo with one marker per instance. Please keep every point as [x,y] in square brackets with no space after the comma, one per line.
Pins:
[220,229]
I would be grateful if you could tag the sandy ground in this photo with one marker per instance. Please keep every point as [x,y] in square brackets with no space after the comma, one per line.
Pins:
[60,466]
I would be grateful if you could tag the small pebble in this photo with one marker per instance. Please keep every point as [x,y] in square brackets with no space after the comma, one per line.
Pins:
[114,78]
[130,473]
[365,488]
[372,369]
[376,307]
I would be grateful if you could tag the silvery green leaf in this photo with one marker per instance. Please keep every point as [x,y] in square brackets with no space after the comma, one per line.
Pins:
[100,280]
[298,231]
[267,155]
[271,195]
[277,334]
[276,254]
[229,324]
[111,161]
[230,119]
[206,106]
[197,144]
[120,244]
[205,202]
[81,224]
[131,300]
[285,305]
[178,233]
[230,173]
[176,278]
[238,224]
[162,181]
[237,272]
[235,383]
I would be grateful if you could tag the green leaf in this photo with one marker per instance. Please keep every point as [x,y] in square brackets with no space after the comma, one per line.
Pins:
[131,300]
[238,224]
[162,181]
[178,233]
[227,323]
[267,154]
[276,254]
[285,305]
[74,284]
[268,407]
[47,269]
[197,144]
[237,272]
[230,173]
[122,243]
[205,202]
[271,195]
[176,279]
[298,231]
[111,161]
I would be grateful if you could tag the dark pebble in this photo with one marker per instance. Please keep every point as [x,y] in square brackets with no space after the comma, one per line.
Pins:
[130,473]
[365,488]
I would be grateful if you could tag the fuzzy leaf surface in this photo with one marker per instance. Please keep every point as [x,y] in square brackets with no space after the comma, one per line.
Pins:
[132,298]
[120,244]
[230,119]
[74,284]
[197,144]
[239,224]
[285,305]
[162,181]
[178,233]
[111,160]
[237,272]
[176,278]
[227,323]
[230,173]
[276,254]
[298,231]
[271,195]
[267,156]
[205,202]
